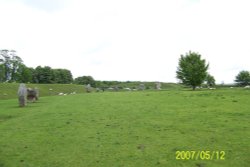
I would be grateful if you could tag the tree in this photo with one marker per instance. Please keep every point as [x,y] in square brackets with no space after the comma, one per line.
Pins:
[5,65]
[43,74]
[62,76]
[2,72]
[243,78]
[9,65]
[16,65]
[210,80]
[192,70]
[85,80]
[12,69]
[24,74]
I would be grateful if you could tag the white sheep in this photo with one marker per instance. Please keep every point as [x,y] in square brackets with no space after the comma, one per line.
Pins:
[127,89]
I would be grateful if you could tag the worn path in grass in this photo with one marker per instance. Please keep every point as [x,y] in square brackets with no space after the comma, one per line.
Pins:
[126,129]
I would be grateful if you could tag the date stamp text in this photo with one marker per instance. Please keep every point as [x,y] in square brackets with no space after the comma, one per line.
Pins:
[200,155]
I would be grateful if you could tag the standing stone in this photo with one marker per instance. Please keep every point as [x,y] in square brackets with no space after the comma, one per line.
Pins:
[97,89]
[22,95]
[158,86]
[116,88]
[32,94]
[141,87]
[88,88]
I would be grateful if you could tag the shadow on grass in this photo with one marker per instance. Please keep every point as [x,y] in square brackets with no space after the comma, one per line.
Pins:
[1,164]
[36,102]
[30,104]
[5,118]
[23,108]
[196,90]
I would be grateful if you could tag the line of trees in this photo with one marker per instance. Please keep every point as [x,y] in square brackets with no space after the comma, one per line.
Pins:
[12,69]
[192,71]
[48,75]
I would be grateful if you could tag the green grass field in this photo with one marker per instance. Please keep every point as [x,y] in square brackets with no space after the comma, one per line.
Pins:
[129,129]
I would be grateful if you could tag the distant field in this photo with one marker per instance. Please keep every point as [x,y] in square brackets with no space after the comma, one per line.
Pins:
[127,129]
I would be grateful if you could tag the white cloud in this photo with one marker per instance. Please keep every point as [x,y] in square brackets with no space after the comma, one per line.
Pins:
[128,40]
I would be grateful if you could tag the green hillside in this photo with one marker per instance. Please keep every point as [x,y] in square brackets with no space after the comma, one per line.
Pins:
[9,90]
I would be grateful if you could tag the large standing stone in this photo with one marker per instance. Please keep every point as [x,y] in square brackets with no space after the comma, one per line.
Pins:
[22,95]
[32,94]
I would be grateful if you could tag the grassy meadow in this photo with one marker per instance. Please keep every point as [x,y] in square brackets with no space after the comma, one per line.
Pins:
[127,129]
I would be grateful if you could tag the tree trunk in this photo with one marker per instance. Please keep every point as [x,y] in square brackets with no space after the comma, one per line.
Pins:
[193,87]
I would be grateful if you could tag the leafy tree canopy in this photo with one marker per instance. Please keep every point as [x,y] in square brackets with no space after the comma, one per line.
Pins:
[85,80]
[243,78]
[192,70]
[210,80]
[10,65]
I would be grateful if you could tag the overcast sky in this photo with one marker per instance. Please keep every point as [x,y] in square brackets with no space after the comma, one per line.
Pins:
[139,40]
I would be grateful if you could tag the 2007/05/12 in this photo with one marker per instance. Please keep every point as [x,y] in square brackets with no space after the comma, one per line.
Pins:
[200,155]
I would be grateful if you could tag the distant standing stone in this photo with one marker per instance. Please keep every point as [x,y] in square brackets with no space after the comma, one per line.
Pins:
[141,87]
[158,86]
[88,88]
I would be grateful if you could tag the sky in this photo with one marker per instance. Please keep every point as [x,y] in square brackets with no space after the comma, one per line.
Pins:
[128,40]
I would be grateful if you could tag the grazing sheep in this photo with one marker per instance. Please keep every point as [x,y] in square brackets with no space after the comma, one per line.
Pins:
[127,89]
